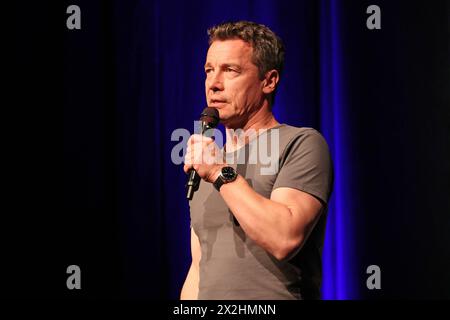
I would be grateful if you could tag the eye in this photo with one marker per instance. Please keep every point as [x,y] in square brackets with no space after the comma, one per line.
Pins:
[231,70]
[208,70]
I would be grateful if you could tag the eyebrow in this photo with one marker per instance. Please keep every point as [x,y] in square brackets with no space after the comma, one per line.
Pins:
[225,65]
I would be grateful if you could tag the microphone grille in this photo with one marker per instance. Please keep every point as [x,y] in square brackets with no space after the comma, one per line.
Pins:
[210,116]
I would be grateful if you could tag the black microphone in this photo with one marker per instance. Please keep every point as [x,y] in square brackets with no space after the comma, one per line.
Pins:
[210,119]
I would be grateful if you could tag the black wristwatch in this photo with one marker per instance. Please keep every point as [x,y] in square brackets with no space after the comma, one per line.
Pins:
[226,175]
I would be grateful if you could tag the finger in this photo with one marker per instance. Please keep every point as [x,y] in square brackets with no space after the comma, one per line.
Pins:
[187,168]
[189,157]
[208,142]
[199,138]
[195,138]
[209,154]
[197,152]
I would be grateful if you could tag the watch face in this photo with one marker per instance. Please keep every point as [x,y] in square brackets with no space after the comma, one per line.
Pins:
[228,173]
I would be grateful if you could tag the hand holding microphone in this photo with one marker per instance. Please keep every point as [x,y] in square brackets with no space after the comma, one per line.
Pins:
[209,119]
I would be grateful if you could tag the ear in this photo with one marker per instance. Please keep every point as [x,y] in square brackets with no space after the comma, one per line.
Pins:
[270,82]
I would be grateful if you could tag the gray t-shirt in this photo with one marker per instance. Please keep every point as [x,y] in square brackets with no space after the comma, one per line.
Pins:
[232,265]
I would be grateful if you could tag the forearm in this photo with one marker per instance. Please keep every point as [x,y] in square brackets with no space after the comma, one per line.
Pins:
[268,223]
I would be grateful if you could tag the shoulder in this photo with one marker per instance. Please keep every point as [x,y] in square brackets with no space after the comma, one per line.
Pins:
[291,131]
[301,137]
[305,162]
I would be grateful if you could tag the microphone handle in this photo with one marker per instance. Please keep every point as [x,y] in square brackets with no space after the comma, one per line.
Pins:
[192,184]
[194,179]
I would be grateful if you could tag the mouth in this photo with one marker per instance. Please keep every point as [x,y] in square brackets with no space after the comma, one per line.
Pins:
[216,103]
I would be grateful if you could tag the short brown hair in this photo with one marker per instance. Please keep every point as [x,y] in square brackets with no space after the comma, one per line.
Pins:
[268,49]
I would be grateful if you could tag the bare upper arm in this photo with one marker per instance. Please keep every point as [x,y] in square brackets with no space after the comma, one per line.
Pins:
[196,252]
[305,210]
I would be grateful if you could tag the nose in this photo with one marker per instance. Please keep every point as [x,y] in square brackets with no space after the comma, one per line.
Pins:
[215,82]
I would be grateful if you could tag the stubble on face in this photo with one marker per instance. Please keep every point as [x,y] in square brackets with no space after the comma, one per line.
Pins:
[232,82]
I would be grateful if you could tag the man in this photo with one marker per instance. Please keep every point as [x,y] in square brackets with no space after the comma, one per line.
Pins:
[254,235]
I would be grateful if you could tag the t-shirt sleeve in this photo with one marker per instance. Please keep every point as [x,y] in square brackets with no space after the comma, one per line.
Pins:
[306,165]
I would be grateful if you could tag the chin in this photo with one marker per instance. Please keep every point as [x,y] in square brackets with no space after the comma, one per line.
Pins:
[230,123]
[227,118]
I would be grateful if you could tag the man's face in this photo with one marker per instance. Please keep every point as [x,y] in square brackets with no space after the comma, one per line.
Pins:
[232,82]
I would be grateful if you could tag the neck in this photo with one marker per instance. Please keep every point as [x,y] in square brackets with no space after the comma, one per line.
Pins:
[256,124]
[262,118]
